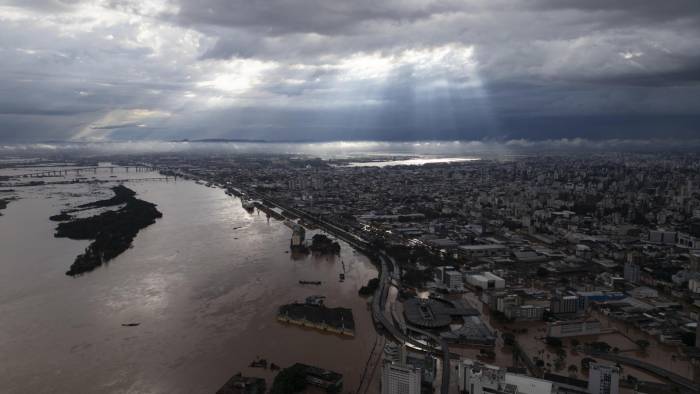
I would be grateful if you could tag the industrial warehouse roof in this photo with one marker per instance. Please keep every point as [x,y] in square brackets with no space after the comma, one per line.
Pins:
[433,313]
[473,331]
[482,247]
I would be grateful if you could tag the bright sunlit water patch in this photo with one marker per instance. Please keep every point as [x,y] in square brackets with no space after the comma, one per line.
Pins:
[412,162]
[348,149]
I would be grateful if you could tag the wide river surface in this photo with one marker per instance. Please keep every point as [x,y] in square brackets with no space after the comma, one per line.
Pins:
[204,282]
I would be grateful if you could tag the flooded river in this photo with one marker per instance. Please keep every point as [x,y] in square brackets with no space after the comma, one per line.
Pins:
[204,282]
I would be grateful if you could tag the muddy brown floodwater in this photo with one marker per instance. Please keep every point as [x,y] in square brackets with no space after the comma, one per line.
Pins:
[204,282]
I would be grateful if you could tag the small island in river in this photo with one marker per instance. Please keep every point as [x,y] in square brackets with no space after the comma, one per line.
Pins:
[323,244]
[112,231]
[5,201]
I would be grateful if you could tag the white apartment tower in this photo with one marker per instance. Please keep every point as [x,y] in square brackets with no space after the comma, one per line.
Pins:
[400,379]
[603,379]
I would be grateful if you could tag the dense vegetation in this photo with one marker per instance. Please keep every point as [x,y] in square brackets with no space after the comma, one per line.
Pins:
[112,231]
[3,203]
[417,263]
[289,380]
[322,244]
[371,287]
[60,217]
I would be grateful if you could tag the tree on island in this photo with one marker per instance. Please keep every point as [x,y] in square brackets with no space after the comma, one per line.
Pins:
[112,231]
[371,287]
[599,346]
[554,342]
[289,380]
[508,339]
[323,244]
[642,343]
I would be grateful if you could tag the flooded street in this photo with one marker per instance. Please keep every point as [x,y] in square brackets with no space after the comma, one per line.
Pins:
[204,282]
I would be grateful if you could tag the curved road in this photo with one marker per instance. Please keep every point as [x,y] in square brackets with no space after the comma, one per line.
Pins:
[380,296]
[666,374]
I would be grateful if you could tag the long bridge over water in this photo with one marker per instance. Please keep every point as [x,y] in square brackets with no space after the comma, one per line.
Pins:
[55,172]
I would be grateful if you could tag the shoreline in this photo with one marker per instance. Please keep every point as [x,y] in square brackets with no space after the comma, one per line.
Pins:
[112,232]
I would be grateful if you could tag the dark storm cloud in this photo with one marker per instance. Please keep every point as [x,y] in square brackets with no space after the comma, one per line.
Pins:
[329,69]
[45,5]
[117,126]
[279,17]
[647,10]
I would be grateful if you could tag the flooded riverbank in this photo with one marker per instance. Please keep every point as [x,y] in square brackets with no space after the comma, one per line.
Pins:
[204,283]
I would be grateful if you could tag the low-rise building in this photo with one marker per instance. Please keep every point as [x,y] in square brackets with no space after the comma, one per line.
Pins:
[688,241]
[485,280]
[564,304]
[477,378]
[525,312]
[488,250]
[240,384]
[451,278]
[563,329]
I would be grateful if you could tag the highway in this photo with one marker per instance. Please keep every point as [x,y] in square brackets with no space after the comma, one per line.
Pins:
[666,374]
[378,304]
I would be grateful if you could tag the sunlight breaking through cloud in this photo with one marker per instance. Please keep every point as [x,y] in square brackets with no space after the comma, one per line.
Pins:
[310,71]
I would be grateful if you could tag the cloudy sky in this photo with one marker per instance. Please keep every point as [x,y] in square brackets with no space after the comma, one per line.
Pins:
[348,70]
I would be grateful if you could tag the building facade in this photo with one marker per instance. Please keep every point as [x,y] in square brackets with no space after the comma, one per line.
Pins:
[400,379]
[564,304]
[573,328]
[603,379]
[632,272]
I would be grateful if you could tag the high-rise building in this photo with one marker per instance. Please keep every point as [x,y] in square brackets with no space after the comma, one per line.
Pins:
[451,278]
[400,379]
[603,379]
[695,262]
[632,272]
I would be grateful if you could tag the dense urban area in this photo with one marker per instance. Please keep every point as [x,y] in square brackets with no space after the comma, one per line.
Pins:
[529,274]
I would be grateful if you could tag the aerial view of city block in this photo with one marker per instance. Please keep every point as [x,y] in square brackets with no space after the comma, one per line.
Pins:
[399,197]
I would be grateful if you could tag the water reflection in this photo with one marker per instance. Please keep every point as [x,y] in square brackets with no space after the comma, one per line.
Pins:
[419,161]
[203,283]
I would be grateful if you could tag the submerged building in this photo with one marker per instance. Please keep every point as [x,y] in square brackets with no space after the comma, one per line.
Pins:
[298,236]
[314,314]
[329,380]
[240,384]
